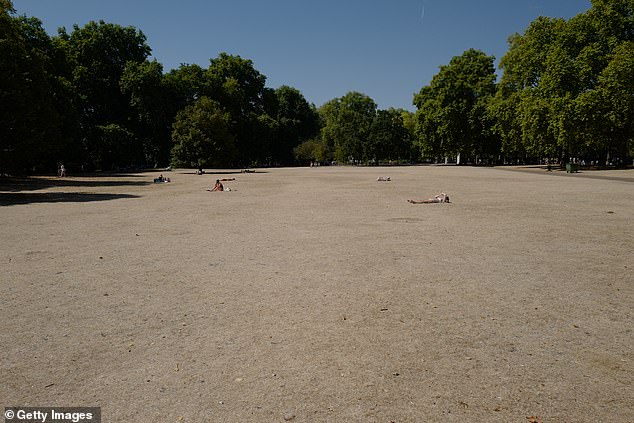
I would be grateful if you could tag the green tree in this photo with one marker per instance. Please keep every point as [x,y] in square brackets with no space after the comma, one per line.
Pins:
[523,104]
[616,84]
[328,113]
[312,150]
[98,54]
[428,136]
[452,111]
[117,146]
[202,136]
[297,121]
[388,139]
[409,122]
[153,103]
[605,115]
[266,123]
[235,83]
[347,123]
[36,118]
[187,83]
[614,21]
[553,97]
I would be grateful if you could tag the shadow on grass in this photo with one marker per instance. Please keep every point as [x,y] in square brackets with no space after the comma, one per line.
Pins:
[583,172]
[10,199]
[37,183]
[224,172]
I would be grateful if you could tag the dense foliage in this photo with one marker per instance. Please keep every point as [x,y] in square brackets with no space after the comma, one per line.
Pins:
[566,89]
[93,99]
[38,117]
[452,118]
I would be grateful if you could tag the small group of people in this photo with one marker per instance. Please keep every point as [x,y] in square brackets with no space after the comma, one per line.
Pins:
[438,198]
[161,179]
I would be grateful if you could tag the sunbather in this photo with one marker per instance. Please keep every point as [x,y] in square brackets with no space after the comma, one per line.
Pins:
[218,186]
[439,198]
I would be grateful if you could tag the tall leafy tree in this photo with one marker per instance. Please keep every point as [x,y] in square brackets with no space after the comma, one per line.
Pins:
[347,123]
[554,98]
[603,109]
[310,151]
[116,144]
[99,53]
[153,104]
[616,85]
[388,138]
[409,123]
[605,114]
[36,118]
[297,121]
[202,136]
[537,77]
[237,84]
[187,83]
[328,113]
[452,116]
[239,87]
[428,121]
[266,123]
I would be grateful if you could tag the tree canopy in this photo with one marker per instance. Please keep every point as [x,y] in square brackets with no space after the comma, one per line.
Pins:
[202,136]
[93,97]
[564,91]
[37,118]
[452,118]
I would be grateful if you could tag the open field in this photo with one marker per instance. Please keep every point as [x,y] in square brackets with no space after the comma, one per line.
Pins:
[321,295]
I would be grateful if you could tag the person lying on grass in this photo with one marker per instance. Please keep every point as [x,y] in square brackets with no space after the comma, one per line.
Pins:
[439,198]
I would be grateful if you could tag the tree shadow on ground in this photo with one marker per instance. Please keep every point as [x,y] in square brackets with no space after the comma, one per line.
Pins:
[15,184]
[224,172]
[590,173]
[11,199]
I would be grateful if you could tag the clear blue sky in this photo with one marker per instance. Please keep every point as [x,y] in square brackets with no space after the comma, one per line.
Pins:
[385,49]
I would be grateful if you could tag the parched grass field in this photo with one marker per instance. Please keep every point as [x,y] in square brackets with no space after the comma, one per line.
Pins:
[321,295]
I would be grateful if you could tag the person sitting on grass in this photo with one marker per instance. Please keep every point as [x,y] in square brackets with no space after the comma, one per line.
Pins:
[218,186]
[439,198]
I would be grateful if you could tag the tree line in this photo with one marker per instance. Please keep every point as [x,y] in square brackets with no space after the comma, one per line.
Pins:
[92,97]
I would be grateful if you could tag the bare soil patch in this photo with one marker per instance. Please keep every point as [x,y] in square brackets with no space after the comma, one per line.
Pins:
[321,295]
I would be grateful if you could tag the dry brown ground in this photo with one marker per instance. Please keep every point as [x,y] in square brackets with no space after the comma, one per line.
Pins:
[321,295]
